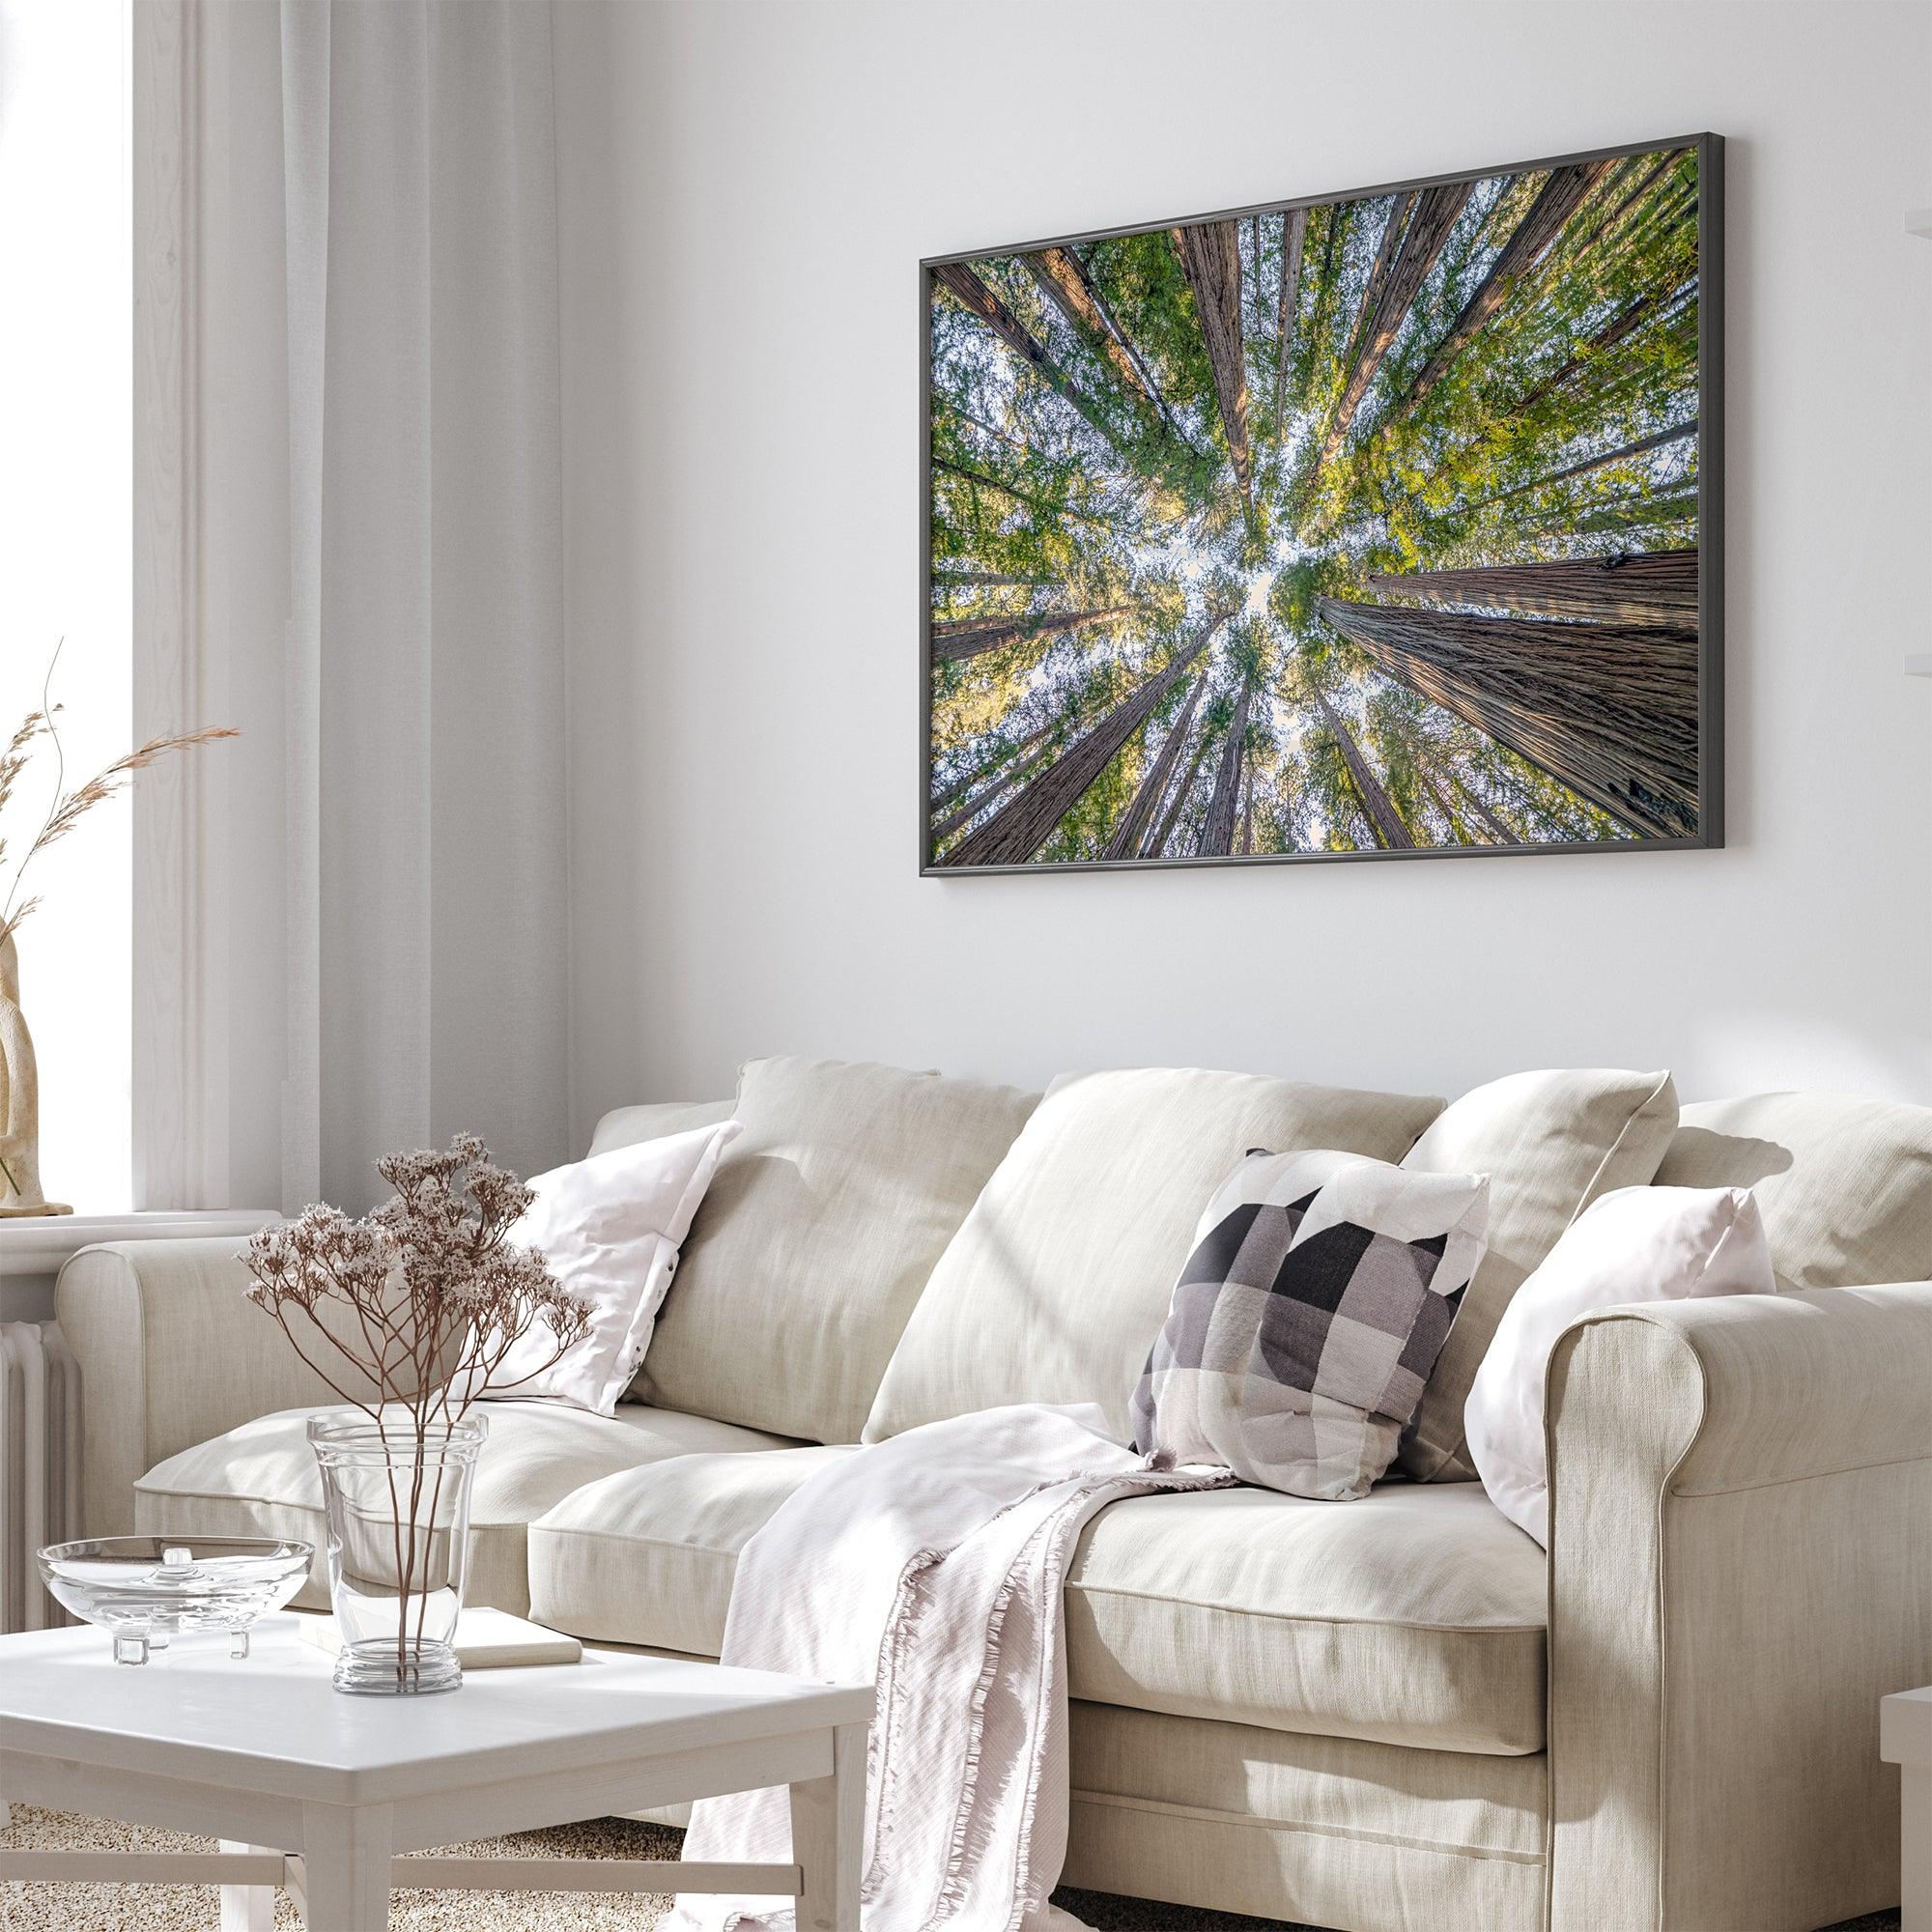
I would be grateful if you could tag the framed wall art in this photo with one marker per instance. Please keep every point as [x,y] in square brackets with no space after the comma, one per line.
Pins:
[1380,525]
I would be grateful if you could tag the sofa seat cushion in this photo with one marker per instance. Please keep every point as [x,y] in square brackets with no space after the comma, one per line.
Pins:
[261,1479]
[1415,1616]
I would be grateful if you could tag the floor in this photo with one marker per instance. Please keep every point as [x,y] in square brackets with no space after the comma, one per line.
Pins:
[74,1908]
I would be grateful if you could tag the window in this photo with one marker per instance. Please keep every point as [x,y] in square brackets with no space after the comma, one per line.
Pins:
[66,486]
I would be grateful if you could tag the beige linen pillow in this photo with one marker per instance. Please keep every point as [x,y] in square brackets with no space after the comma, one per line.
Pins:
[1844,1185]
[1059,1281]
[1551,1143]
[816,1237]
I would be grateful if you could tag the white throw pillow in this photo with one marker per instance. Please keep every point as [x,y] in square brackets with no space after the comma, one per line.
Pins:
[611,1228]
[1638,1244]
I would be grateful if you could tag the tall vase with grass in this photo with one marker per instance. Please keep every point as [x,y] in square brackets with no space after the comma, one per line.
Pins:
[406,1315]
[20,1191]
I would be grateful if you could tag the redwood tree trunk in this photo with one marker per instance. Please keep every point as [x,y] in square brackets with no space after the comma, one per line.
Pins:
[1637,513]
[1026,821]
[1657,440]
[1218,829]
[969,637]
[1211,253]
[1156,844]
[1561,195]
[1064,281]
[978,299]
[1643,187]
[1003,782]
[986,579]
[1610,710]
[1125,842]
[1631,317]
[1418,226]
[1620,229]
[1111,322]
[1042,503]
[1654,587]
[1378,808]
[1451,818]
[1064,277]
[1386,249]
[1499,832]
[998,759]
[1293,233]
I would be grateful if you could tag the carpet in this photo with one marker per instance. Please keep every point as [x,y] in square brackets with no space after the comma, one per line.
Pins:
[190,1908]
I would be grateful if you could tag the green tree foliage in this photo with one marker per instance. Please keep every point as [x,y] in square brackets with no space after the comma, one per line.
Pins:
[1398,386]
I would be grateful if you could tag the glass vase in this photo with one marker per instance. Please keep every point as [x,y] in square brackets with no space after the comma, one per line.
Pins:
[397,1502]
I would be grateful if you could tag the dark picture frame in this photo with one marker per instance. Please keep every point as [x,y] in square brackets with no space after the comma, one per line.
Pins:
[1706,437]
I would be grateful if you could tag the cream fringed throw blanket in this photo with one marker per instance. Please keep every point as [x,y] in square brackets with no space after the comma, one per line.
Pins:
[933,1563]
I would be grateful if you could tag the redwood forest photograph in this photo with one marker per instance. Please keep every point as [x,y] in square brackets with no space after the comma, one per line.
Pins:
[1362,526]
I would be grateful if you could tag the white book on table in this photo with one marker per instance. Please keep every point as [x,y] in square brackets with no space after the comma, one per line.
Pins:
[485,1640]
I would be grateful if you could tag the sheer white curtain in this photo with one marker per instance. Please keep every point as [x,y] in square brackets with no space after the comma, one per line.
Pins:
[426,916]
[392,377]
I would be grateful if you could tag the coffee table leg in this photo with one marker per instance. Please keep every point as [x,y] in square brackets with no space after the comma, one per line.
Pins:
[1915,1784]
[828,1824]
[346,1867]
[247,1908]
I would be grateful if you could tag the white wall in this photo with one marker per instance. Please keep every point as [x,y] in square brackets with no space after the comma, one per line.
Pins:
[745,192]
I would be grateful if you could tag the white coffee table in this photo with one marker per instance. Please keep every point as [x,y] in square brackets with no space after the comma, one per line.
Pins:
[1905,1738]
[317,1792]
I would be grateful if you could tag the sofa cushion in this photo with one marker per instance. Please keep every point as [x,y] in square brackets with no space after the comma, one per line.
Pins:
[619,1561]
[1844,1185]
[1551,1143]
[626,1126]
[1415,1616]
[261,1479]
[819,1233]
[1059,1279]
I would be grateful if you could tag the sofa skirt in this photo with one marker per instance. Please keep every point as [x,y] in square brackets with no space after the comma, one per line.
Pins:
[1322,1831]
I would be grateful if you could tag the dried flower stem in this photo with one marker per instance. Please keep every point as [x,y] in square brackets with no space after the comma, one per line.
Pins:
[435,1296]
[67,808]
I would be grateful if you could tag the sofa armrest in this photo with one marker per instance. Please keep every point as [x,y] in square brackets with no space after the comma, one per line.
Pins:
[170,1353]
[1739,1570]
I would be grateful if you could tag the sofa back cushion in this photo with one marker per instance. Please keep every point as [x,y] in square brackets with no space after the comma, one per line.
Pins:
[1059,1279]
[1551,1143]
[824,1219]
[1844,1185]
[626,1127]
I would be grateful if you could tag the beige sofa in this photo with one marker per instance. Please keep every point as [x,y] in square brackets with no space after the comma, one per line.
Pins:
[1388,1714]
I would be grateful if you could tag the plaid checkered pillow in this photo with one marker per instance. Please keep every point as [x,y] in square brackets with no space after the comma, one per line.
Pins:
[1306,1320]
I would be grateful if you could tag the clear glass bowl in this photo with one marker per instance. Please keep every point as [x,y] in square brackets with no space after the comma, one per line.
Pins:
[145,1590]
